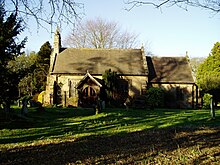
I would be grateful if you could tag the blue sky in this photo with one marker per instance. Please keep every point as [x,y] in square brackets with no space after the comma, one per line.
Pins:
[167,31]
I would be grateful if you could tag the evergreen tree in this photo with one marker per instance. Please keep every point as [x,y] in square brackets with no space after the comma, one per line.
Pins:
[42,67]
[10,28]
[116,88]
[44,53]
[208,76]
[36,68]
[24,66]
[111,80]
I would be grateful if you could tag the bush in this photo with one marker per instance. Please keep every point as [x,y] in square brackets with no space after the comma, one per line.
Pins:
[170,99]
[40,97]
[155,97]
[206,101]
[139,102]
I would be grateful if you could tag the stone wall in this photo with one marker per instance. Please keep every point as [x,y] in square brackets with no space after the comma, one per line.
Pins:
[136,85]
[179,95]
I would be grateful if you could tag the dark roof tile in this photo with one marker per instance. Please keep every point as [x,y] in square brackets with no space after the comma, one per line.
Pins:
[169,69]
[96,61]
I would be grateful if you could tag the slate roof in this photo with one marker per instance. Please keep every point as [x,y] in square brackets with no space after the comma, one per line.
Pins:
[169,70]
[96,61]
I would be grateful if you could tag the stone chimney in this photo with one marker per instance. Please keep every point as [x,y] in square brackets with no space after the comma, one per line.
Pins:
[56,48]
[57,41]
[144,59]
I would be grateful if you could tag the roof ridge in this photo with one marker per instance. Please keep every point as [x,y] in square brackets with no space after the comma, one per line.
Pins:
[168,56]
[101,49]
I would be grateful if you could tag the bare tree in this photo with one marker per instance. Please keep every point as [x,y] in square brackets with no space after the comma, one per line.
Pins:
[212,5]
[52,12]
[99,33]
[195,62]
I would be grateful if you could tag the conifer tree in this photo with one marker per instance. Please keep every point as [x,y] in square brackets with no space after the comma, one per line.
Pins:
[208,76]
[10,28]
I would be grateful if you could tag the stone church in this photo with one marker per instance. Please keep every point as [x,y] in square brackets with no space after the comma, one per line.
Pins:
[75,75]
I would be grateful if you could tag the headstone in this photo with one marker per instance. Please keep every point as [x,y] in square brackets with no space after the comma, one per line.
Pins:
[212,108]
[24,109]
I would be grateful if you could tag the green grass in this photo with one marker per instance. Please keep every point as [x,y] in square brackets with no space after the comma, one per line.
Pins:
[88,131]
[62,124]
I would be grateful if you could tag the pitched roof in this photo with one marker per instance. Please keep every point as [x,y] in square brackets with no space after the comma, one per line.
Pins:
[96,61]
[169,70]
[89,76]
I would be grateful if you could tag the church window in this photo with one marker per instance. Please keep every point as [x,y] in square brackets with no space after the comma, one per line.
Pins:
[89,91]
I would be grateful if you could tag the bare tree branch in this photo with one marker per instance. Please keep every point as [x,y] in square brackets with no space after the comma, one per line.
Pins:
[99,33]
[52,12]
[212,5]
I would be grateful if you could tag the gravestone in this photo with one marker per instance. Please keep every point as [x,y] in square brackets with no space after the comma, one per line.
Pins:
[24,109]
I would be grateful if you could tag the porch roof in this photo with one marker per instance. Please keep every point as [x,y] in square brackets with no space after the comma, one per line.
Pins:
[86,77]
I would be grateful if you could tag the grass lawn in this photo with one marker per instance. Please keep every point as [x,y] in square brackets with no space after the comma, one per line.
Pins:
[115,136]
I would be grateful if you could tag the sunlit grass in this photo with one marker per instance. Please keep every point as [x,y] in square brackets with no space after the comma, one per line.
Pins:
[56,125]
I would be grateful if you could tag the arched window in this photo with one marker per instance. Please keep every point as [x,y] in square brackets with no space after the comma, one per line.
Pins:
[89,91]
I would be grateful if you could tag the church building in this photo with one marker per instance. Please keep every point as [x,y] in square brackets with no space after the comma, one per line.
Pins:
[75,75]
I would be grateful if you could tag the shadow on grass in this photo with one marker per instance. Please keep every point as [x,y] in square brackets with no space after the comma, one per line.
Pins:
[161,145]
[62,123]
[40,119]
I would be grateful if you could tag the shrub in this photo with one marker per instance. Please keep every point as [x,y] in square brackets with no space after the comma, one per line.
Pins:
[206,101]
[40,97]
[139,102]
[155,97]
[170,99]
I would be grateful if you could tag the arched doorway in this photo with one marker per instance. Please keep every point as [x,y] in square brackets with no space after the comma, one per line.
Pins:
[89,90]
[89,96]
